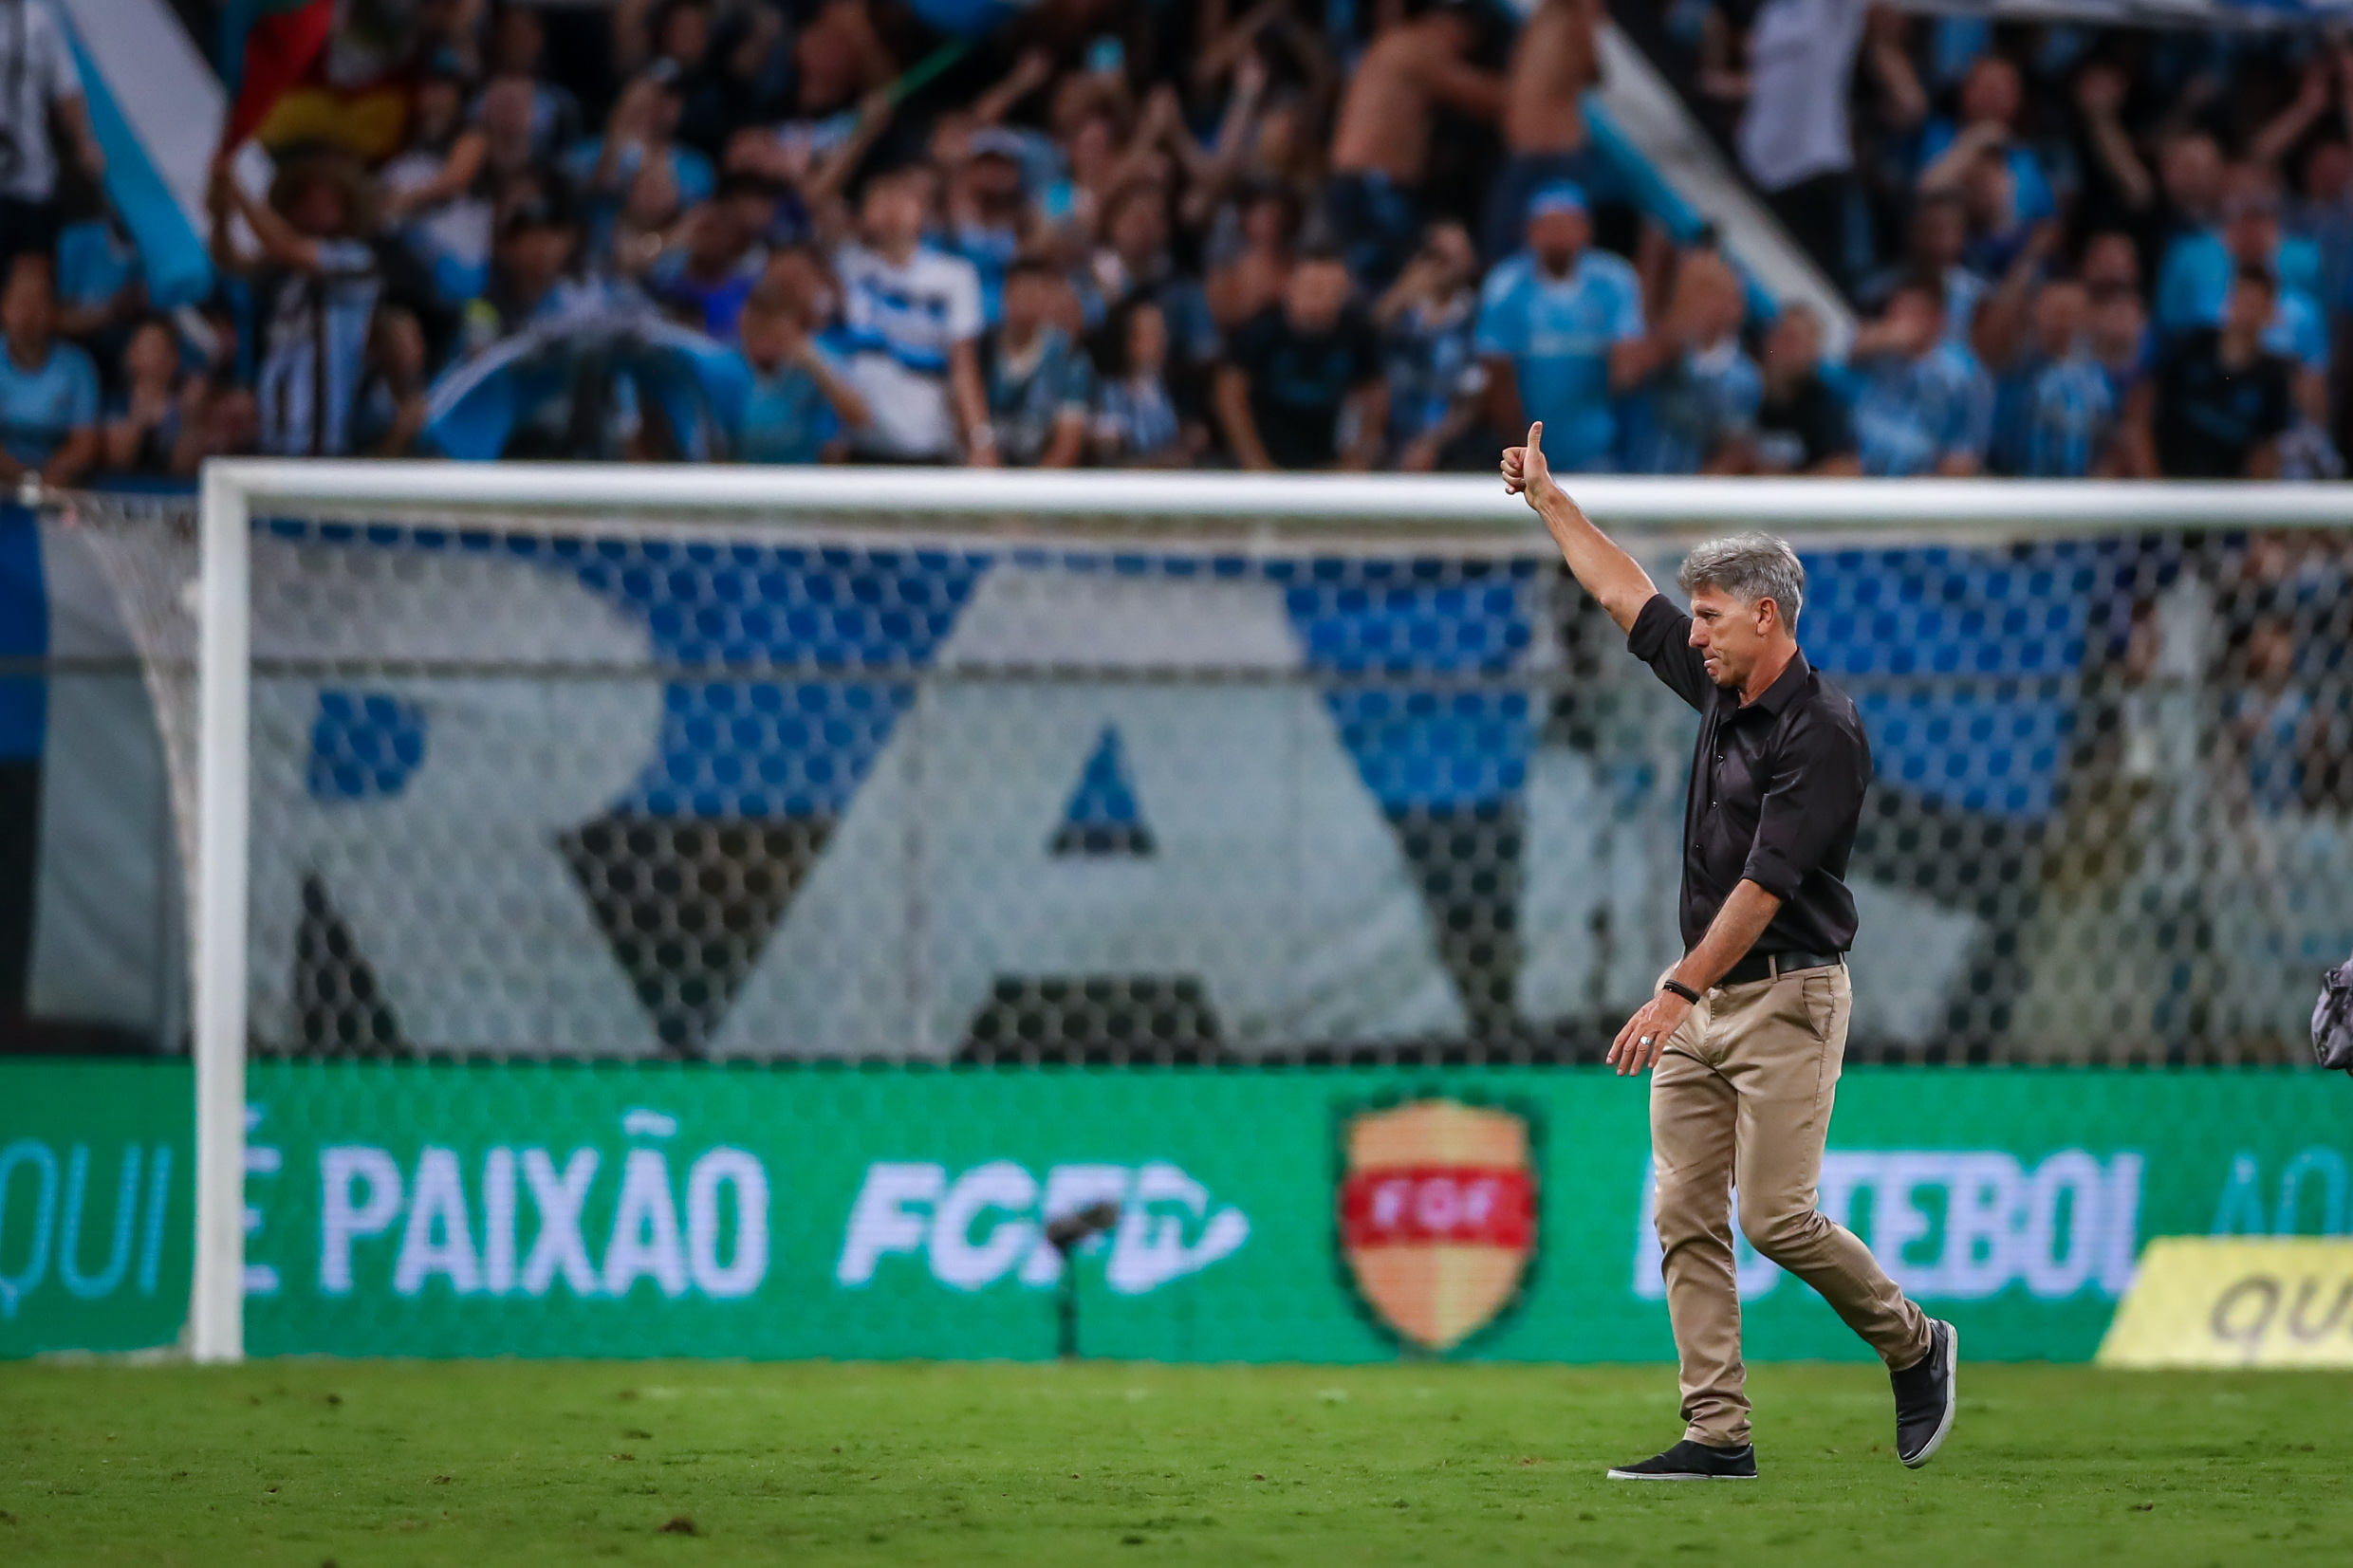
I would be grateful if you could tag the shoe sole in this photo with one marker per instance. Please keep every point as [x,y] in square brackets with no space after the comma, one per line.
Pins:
[1678,1475]
[1952,1400]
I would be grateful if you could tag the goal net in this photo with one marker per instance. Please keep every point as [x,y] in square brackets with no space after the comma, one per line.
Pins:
[1146,770]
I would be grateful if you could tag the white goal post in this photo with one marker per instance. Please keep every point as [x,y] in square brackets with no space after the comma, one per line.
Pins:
[1468,514]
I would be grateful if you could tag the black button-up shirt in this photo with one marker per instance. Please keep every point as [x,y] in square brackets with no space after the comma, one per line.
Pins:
[1776,791]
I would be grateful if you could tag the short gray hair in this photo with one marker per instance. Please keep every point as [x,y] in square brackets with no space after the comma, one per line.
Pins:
[1749,566]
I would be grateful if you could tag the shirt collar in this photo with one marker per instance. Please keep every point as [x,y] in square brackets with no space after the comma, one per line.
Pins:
[1783,689]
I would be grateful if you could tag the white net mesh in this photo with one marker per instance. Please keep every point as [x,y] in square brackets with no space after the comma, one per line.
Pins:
[793,788]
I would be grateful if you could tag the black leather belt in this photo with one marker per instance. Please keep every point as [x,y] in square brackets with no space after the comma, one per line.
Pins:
[1772,966]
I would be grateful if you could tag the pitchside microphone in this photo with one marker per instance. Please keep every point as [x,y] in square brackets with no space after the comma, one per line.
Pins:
[1065,1235]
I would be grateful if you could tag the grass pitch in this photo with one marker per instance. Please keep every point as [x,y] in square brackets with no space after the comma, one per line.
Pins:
[366,1464]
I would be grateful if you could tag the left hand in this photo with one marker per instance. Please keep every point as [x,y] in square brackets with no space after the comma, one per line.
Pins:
[1644,1039]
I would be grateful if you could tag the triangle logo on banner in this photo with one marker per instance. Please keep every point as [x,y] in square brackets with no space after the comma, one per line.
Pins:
[1103,817]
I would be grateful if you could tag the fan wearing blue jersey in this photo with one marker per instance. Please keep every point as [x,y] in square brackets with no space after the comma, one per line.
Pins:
[1702,399]
[48,390]
[1561,333]
[1926,404]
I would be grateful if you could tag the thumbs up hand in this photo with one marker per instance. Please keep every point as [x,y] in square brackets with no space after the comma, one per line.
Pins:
[1524,470]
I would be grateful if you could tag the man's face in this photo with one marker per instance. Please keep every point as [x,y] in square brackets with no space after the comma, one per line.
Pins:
[2252,234]
[1138,231]
[1028,302]
[768,334]
[2060,312]
[1317,293]
[995,177]
[534,257]
[1990,92]
[1794,346]
[2110,262]
[1912,315]
[2193,172]
[1557,236]
[895,212]
[317,209]
[2250,310]
[28,307]
[1731,635]
[1939,233]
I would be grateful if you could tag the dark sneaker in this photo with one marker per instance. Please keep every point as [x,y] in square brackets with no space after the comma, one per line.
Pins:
[1689,1461]
[1924,1398]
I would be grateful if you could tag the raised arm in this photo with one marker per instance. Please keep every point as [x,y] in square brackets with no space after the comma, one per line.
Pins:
[1611,576]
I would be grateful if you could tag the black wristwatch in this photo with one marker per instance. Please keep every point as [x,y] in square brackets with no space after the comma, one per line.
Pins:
[1671,983]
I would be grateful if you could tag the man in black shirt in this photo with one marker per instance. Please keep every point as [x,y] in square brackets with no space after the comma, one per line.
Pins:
[2222,400]
[1294,368]
[1748,1029]
[1800,426]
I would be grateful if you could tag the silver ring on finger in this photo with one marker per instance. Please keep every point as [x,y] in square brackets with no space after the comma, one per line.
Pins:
[1646,1040]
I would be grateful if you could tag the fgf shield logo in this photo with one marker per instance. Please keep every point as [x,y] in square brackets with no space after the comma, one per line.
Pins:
[1437,1216]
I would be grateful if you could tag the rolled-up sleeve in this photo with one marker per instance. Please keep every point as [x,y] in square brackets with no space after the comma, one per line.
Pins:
[1661,638]
[1818,773]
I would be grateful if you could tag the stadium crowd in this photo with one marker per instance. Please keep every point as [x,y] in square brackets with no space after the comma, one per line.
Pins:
[1290,234]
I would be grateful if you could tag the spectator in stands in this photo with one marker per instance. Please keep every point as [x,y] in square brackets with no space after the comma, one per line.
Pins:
[642,130]
[650,219]
[2191,180]
[988,211]
[706,274]
[1939,236]
[512,153]
[388,412]
[1794,141]
[913,314]
[728,66]
[1554,60]
[801,399]
[311,352]
[2252,239]
[1249,267]
[2125,349]
[1303,374]
[2199,265]
[2321,216]
[1427,321]
[1134,262]
[1137,423]
[37,78]
[2117,189]
[1415,66]
[154,426]
[1701,395]
[102,289]
[1802,425]
[1040,386]
[48,390]
[546,117]
[1986,126]
[2054,409]
[1926,405]
[1560,332]
[434,192]
[2222,400]
[532,276]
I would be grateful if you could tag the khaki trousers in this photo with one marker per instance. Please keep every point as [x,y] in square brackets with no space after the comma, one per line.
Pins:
[1741,1099]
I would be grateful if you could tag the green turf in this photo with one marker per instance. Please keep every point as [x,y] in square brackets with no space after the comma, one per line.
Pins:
[393,1463]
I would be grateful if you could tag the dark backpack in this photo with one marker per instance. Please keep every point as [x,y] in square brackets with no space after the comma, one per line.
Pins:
[2332,1019]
